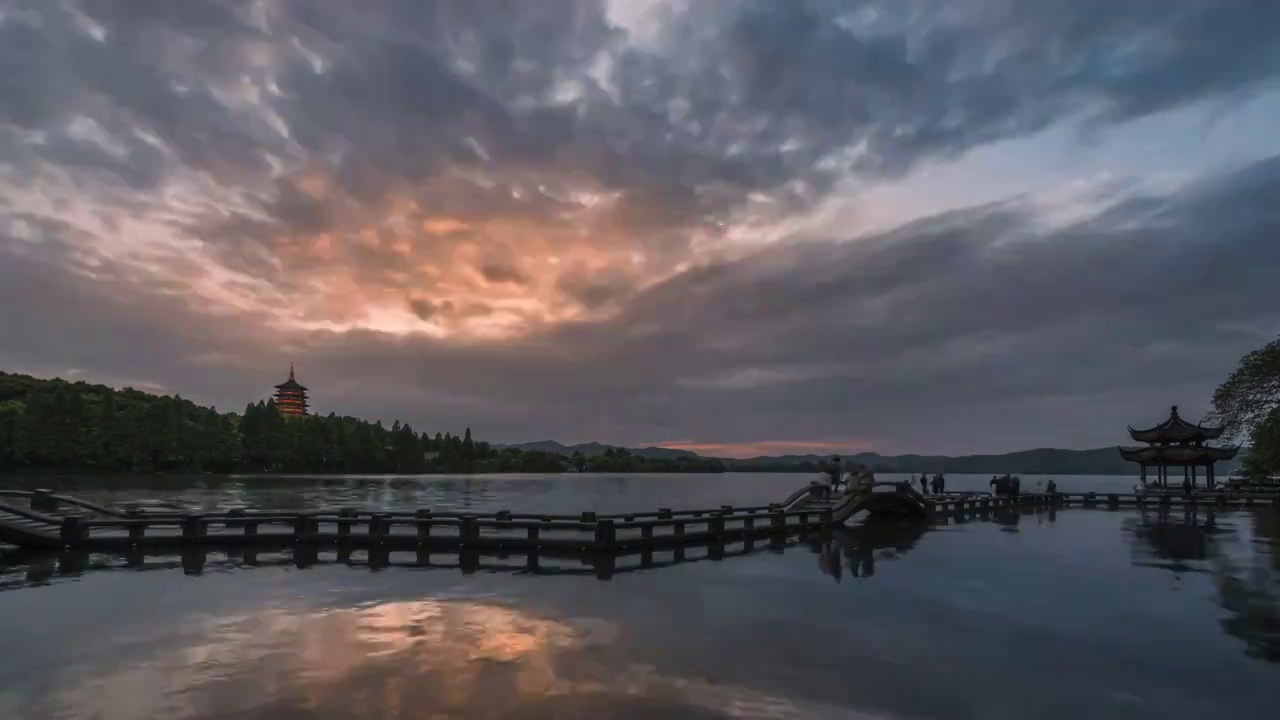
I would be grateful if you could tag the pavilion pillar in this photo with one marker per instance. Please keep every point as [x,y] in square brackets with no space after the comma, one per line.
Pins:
[1193,476]
[1186,473]
[1144,472]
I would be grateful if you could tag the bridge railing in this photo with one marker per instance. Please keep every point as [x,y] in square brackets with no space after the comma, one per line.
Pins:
[588,531]
[47,500]
[29,514]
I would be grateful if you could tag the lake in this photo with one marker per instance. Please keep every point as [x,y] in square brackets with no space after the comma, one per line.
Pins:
[1078,613]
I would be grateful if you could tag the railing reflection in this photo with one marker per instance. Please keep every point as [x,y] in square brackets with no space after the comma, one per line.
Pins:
[23,568]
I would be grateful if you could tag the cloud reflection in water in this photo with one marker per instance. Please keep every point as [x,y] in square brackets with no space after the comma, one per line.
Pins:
[421,659]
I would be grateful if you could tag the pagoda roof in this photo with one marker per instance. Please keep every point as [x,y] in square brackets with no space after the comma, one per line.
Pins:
[1175,430]
[1178,455]
[290,384]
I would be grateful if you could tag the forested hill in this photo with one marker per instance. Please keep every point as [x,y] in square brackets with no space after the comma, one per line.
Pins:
[54,425]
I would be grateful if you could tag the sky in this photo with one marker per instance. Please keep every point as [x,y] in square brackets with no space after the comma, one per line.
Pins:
[738,227]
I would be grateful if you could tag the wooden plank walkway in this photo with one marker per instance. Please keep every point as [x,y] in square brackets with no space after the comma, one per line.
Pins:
[49,521]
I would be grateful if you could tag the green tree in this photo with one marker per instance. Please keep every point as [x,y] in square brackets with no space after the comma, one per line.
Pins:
[1250,393]
[1263,457]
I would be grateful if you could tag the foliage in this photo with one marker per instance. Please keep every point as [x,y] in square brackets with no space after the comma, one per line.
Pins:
[1263,458]
[63,426]
[1249,394]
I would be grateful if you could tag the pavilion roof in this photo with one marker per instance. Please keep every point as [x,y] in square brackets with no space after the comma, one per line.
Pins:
[1175,430]
[1178,455]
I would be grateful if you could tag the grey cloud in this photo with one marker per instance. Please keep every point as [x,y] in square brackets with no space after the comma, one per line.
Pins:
[596,290]
[976,330]
[452,106]
[501,272]
[769,89]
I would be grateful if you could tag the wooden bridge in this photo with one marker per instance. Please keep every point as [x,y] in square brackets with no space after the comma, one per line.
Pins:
[41,519]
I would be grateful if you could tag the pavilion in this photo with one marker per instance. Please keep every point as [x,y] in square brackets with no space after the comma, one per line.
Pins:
[1177,443]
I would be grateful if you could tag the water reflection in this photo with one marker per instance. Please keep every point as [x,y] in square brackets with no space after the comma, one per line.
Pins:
[1052,605]
[1244,570]
[1178,541]
[461,658]
[24,568]
[1248,584]
[859,545]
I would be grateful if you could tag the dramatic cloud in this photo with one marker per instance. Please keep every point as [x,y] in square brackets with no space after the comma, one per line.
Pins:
[654,221]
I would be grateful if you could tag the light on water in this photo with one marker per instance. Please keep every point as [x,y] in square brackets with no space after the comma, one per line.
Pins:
[1075,613]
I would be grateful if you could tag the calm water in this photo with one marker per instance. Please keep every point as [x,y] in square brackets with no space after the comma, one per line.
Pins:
[1078,614]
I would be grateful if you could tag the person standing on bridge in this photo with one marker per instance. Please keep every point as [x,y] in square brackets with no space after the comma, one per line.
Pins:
[834,472]
[924,484]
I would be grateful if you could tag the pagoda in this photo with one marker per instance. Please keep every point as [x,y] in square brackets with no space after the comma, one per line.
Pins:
[291,398]
[1177,443]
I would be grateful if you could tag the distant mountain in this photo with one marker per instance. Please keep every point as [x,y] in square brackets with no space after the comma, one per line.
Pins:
[1042,461]
[592,449]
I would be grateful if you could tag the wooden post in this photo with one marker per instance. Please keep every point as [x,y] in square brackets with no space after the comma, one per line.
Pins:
[299,526]
[423,518]
[778,528]
[531,559]
[345,517]
[377,529]
[664,513]
[233,517]
[726,509]
[646,533]
[42,501]
[606,535]
[1113,500]
[72,531]
[192,526]
[469,530]
[138,529]
[250,530]
[715,526]
[588,517]
[504,515]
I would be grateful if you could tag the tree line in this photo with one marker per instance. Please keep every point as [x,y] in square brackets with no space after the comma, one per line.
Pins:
[55,425]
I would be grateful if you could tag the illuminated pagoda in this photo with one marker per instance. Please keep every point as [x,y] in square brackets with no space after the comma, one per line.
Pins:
[1177,443]
[291,398]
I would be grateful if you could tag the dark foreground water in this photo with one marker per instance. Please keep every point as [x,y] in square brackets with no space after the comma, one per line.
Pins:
[1078,614]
